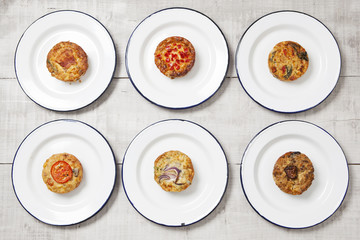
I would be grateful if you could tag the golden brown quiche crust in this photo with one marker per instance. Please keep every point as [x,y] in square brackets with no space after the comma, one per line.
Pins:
[175,56]
[173,171]
[67,61]
[293,173]
[77,173]
[288,61]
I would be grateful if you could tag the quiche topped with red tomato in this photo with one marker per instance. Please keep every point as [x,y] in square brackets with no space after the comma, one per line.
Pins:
[62,173]
[288,61]
[175,56]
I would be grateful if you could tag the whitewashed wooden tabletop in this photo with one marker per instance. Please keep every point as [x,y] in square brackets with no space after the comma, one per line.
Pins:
[230,115]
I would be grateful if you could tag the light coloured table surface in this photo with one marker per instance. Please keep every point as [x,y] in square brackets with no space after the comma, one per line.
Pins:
[231,115]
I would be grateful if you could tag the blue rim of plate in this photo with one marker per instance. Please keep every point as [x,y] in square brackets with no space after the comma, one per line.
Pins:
[227,176]
[112,75]
[64,120]
[157,104]
[237,72]
[241,180]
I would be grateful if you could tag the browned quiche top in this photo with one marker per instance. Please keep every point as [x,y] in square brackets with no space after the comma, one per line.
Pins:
[293,173]
[173,171]
[62,173]
[288,61]
[175,56]
[67,61]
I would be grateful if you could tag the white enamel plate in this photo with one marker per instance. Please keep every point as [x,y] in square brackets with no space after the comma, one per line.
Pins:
[34,45]
[175,208]
[204,79]
[251,61]
[99,172]
[323,197]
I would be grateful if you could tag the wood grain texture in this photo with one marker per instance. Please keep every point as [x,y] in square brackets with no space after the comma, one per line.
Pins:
[231,115]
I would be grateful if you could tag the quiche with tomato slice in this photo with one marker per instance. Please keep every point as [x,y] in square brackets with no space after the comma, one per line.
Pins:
[62,173]
[288,61]
[67,61]
[175,56]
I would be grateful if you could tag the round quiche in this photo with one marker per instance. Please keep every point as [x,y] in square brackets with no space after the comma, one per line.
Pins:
[293,173]
[173,171]
[288,61]
[67,61]
[62,173]
[175,56]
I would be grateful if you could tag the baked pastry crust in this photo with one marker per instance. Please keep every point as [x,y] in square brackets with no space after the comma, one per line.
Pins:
[173,171]
[67,61]
[293,173]
[288,61]
[61,186]
[175,56]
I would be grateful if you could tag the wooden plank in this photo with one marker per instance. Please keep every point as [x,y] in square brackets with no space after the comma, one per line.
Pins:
[231,115]
[232,219]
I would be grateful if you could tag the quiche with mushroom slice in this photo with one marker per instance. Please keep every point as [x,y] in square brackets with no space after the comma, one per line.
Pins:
[293,173]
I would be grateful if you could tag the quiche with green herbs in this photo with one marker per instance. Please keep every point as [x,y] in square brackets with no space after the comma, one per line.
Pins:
[288,61]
